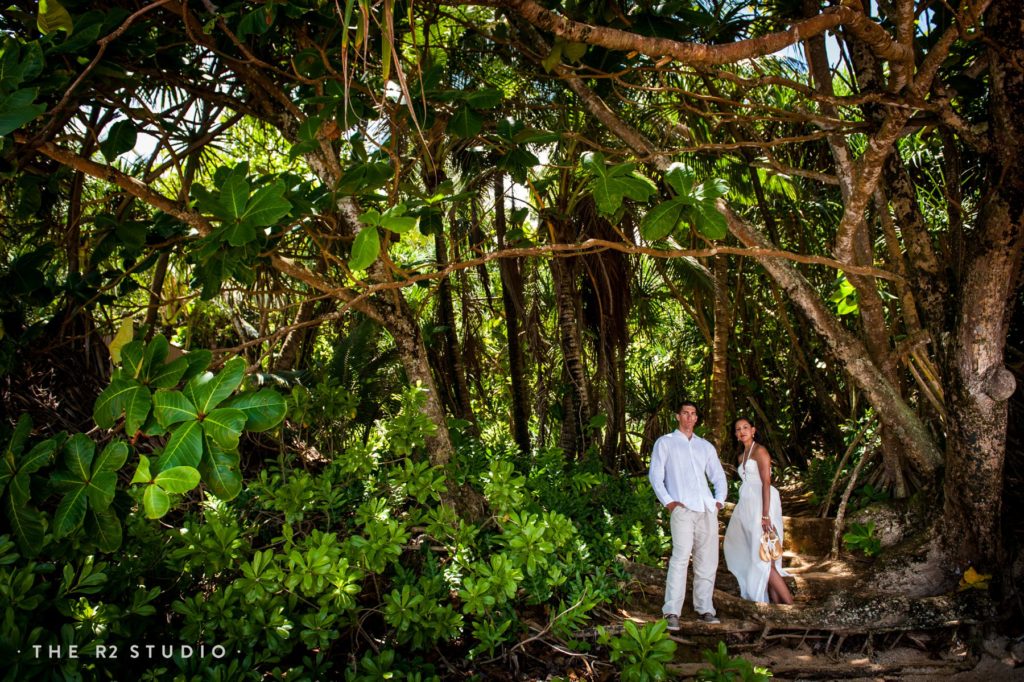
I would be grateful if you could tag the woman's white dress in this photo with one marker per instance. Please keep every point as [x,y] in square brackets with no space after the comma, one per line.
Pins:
[743,536]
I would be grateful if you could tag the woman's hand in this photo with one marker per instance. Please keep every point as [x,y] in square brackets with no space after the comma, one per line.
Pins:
[766,524]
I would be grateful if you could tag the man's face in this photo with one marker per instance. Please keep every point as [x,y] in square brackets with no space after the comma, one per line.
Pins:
[687,417]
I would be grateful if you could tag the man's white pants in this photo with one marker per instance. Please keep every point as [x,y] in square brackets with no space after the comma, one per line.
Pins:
[693,533]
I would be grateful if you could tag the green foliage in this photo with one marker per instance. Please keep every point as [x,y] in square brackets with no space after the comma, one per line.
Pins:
[724,668]
[611,185]
[16,485]
[693,204]
[640,653]
[20,63]
[861,537]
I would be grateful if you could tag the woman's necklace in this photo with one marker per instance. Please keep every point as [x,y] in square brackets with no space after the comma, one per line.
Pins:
[746,454]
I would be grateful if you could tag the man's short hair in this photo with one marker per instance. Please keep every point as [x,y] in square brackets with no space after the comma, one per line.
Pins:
[692,404]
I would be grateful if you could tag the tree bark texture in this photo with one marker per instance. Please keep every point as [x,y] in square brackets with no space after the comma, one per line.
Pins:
[717,414]
[977,397]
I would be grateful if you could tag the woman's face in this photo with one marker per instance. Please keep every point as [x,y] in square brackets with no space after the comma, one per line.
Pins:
[744,431]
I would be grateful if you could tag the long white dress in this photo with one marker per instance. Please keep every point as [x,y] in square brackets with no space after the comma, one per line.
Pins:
[743,536]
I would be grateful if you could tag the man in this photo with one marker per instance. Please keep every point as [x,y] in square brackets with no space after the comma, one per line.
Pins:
[681,465]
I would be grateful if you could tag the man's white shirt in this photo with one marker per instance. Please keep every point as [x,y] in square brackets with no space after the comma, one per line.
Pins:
[680,469]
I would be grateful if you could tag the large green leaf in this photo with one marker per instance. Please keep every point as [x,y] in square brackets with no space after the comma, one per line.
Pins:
[112,458]
[17,109]
[121,138]
[263,410]
[104,528]
[38,456]
[19,489]
[155,353]
[110,403]
[211,391]
[27,525]
[239,234]
[395,220]
[53,17]
[155,501]
[178,479]
[267,206]
[185,448]
[137,404]
[172,407]
[167,375]
[198,361]
[659,222]
[465,123]
[611,185]
[680,179]
[70,512]
[234,193]
[710,222]
[78,454]
[224,425]
[22,430]
[365,248]
[142,471]
[101,489]
[220,473]
[133,360]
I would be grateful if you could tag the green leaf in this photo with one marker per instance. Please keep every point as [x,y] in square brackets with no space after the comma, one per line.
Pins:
[168,375]
[137,404]
[238,234]
[574,51]
[208,391]
[486,98]
[172,407]
[53,17]
[234,193]
[22,430]
[659,222]
[142,474]
[554,57]
[185,448]
[365,249]
[465,123]
[220,473]
[110,403]
[70,512]
[101,489]
[121,138]
[112,458]
[133,360]
[267,206]
[710,222]
[27,525]
[17,109]
[394,220]
[610,186]
[198,361]
[709,190]
[38,456]
[155,353]
[155,501]
[178,479]
[104,528]
[19,490]
[224,425]
[263,410]
[680,179]
[78,454]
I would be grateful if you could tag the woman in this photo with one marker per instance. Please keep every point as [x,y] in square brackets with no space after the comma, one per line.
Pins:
[758,511]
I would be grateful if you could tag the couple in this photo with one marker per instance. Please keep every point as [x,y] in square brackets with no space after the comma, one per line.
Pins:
[681,465]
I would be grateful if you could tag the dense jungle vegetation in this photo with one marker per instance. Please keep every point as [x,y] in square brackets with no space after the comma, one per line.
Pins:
[338,334]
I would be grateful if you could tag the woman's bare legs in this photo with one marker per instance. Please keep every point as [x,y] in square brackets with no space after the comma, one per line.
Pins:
[778,591]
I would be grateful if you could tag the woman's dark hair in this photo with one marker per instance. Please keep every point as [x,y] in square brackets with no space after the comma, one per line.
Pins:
[758,438]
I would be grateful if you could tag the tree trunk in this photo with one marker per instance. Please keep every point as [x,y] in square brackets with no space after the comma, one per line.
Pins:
[455,368]
[567,304]
[717,414]
[980,383]
[512,302]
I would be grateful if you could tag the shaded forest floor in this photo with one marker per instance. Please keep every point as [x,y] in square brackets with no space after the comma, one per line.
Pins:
[820,637]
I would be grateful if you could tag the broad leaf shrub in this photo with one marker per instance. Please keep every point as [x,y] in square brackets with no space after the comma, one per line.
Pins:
[295,571]
[725,668]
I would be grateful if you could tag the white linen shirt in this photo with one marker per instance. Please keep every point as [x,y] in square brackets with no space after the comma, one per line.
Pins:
[680,469]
